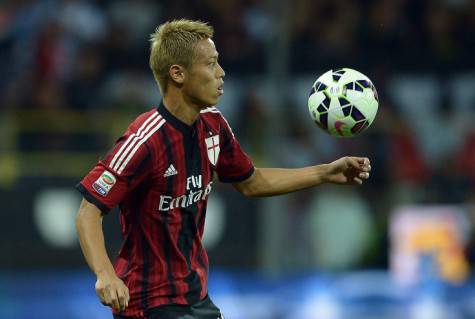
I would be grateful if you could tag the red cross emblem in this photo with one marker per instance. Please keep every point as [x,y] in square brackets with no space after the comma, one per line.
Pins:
[212,145]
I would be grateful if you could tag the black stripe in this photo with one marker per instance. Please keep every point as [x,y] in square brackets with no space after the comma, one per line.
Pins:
[145,271]
[200,258]
[189,228]
[202,220]
[91,199]
[140,167]
[128,242]
[145,246]
[170,191]
[238,179]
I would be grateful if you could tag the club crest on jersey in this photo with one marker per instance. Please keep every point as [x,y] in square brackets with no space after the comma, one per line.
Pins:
[104,183]
[212,145]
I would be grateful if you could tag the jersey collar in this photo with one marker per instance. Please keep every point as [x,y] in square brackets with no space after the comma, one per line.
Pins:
[175,122]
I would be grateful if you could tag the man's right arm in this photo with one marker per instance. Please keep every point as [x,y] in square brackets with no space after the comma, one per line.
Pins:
[110,288]
[276,181]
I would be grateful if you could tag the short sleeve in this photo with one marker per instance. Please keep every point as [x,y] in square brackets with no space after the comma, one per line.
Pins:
[233,164]
[111,180]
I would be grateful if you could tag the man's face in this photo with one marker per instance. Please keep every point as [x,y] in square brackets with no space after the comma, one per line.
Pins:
[204,80]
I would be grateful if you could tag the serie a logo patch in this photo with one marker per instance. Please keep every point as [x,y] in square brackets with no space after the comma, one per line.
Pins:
[104,183]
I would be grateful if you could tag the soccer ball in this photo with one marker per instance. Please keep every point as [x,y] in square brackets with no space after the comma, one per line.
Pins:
[343,102]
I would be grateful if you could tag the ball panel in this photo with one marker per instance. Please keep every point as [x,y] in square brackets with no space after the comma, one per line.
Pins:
[353,95]
[347,110]
[368,107]
[349,86]
[326,78]
[324,120]
[326,102]
[321,86]
[321,126]
[340,126]
[314,114]
[356,114]
[344,102]
[315,99]
[312,90]
[335,108]
[358,88]
[365,126]
[357,127]
[375,93]
[337,74]
[365,84]
[371,111]
[351,75]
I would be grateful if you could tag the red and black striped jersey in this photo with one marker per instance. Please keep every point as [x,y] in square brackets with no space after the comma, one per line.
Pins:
[160,174]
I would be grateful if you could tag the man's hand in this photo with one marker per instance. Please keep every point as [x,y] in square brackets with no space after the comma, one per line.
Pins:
[112,291]
[348,170]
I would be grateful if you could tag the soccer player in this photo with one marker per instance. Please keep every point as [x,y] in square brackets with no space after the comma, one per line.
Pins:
[161,172]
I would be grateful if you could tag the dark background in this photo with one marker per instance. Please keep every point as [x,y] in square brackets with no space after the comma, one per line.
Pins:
[74,73]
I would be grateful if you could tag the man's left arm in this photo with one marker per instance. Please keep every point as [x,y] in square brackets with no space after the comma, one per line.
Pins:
[276,181]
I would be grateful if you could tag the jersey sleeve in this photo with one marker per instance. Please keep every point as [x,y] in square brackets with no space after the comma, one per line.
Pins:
[123,168]
[233,164]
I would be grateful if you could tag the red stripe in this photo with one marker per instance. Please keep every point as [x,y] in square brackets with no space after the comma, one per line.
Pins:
[181,266]
[198,249]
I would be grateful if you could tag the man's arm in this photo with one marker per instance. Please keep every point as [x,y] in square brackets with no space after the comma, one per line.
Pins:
[110,289]
[277,181]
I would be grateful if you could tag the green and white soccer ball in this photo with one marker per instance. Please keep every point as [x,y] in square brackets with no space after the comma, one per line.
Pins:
[343,102]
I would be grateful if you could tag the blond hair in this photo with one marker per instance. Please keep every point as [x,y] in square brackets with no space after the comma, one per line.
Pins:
[173,42]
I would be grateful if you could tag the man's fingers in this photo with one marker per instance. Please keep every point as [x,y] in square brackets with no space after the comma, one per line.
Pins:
[109,297]
[120,300]
[123,300]
[115,299]
[360,163]
[103,295]
[354,161]
[357,180]
[363,160]
[113,293]
[364,175]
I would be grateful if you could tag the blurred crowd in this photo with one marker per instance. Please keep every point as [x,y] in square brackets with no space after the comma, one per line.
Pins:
[78,53]
[91,55]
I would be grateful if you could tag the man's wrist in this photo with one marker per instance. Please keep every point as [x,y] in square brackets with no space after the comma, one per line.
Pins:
[321,172]
[105,272]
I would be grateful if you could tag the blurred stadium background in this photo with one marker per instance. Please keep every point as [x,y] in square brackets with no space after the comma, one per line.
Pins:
[75,72]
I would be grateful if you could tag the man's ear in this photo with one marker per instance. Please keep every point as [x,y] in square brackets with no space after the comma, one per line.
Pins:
[177,73]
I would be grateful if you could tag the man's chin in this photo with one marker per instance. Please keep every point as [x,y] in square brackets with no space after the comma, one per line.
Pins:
[210,103]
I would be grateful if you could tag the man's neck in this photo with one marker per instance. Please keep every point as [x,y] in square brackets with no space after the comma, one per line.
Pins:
[182,110]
